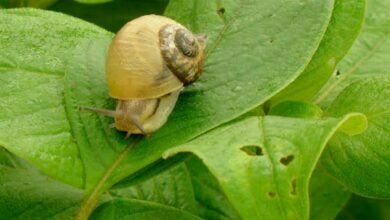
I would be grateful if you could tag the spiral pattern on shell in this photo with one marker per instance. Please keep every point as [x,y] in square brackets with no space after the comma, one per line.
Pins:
[182,52]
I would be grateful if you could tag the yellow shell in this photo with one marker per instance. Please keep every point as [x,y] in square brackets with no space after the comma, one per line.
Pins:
[135,67]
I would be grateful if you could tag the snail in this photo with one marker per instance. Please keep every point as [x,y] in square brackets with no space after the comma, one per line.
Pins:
[149,62]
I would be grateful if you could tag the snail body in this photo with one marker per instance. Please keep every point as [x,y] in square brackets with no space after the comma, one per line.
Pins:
[149,62]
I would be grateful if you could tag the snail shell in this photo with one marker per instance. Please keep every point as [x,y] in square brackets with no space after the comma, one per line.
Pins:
[152,56]
[149,61]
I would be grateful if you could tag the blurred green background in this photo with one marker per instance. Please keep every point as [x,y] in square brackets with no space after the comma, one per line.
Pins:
[111,15]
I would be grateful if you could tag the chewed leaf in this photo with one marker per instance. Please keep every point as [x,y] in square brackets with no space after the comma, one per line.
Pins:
[263,164]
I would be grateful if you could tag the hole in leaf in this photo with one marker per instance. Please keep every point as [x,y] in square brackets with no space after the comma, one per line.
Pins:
[338,73]
[253,150]
[271,194]
[221,11]
[294,187]
[287,160]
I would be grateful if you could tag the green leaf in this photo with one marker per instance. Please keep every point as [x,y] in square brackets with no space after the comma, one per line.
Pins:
[362,162]
[34,124]
[264,164]
[327,196]
[26,195]
[344,27]
[369,56]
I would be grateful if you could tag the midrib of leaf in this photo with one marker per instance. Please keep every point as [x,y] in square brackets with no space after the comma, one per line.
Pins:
[68,117]
[267,154]
[352,70]
[93,196]
[226,26]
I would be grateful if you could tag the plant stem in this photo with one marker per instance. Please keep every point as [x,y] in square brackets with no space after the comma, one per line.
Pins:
[92,198]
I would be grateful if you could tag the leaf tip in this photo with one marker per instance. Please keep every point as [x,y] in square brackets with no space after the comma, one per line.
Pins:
[355,123]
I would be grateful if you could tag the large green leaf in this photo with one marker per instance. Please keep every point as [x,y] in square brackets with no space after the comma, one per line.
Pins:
[264,164]
[369,56]
[362,162]
[345,25]
[33,121]
[327,197]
